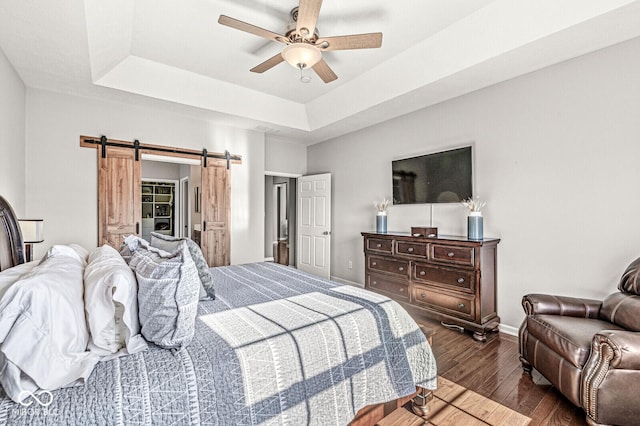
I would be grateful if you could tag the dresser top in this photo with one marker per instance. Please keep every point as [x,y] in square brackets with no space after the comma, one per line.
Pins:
[456,238]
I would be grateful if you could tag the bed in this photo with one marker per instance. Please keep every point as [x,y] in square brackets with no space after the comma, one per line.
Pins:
[276,346]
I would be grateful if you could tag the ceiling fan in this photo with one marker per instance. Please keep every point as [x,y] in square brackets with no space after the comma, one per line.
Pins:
[304,46]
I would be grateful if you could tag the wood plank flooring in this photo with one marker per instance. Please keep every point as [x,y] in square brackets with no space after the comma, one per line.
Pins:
[483,384]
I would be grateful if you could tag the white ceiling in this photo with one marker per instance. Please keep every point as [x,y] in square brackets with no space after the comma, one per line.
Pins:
[175,54]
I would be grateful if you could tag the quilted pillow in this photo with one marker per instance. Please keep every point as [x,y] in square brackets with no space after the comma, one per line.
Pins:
[171,244]
[630,281]
[168,287]
[111,304]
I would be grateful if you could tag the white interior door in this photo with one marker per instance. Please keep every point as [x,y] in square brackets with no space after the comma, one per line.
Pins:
[314,224]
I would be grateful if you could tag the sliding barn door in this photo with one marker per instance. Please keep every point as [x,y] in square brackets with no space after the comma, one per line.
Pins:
[119,195]
[216,213]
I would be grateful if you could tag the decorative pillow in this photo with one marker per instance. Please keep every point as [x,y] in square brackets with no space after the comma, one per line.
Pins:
[167,295]
[171,244]
[111,304]
[43,332]
[630,281]
[130,245]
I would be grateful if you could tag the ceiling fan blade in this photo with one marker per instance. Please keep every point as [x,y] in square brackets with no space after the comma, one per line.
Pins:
[252,29]
[324,72]
[268,64]
[354,41]
[308,12]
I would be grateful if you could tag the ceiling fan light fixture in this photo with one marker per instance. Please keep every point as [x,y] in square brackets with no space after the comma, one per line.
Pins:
[301,55]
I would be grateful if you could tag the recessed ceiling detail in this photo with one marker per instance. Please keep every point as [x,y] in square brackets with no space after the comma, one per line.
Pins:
[177,53]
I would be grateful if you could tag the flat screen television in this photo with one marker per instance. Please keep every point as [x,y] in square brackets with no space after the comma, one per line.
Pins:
[442,177]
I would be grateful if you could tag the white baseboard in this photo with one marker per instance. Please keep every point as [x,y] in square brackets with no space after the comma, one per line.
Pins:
[343,281]
[507,329]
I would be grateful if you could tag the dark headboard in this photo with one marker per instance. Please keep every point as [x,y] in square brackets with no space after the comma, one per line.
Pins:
[11,248]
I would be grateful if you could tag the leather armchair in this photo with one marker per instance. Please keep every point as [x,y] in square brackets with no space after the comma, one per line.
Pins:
[589,349]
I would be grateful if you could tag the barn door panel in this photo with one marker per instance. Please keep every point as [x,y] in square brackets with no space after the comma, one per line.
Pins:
[119,195]
[216,213]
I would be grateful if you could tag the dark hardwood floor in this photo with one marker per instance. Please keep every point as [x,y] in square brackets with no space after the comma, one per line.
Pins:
[492,369]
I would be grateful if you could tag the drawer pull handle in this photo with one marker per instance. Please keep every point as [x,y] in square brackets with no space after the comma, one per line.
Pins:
[401,290]
[423,296]
[410,250]
[422,273]
[461,305]
[375,283]
[374,263]
[378,245]
[401,269]
[451,254]
[460,280]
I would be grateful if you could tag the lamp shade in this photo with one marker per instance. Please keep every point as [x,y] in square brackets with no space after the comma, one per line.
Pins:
[32,230]
[301,55]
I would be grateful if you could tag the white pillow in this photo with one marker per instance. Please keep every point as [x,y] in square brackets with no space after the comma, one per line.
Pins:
[43,331]
[10,276]
[111,304]
[73,250]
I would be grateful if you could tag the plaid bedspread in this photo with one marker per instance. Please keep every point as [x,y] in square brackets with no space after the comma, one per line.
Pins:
[277,346]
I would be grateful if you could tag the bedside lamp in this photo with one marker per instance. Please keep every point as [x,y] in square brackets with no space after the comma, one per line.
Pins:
[32,232]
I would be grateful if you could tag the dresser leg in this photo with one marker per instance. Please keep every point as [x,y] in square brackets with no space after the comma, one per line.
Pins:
[480,336]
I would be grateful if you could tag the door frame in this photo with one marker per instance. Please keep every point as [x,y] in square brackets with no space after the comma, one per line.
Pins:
[291,176]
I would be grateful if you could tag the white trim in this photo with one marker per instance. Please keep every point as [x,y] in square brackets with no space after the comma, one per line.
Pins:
[507,329]
[170,159]
[269,259]
[343,281]
[282,174]
[184,198]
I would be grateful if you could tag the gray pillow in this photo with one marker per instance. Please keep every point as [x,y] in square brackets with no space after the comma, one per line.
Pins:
[167,295]
[170,244]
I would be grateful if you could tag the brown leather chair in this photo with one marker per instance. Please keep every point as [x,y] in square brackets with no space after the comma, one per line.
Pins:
[589,349]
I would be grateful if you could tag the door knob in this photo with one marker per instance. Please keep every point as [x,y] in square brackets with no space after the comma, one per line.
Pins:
[326,233]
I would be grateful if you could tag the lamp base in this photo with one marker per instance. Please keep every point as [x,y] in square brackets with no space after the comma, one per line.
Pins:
[28,252]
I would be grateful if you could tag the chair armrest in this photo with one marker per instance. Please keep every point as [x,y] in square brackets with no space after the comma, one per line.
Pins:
[611,351]
[624,348]
[545,304]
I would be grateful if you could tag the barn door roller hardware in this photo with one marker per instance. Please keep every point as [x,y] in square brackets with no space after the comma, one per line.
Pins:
[103,142]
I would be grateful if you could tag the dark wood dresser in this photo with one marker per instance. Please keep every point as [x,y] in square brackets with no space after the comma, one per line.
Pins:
[448,278]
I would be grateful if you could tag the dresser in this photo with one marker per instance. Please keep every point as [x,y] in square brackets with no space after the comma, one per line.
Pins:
[448,278]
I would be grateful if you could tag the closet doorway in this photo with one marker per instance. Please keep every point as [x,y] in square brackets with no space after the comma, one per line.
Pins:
[280,219]
[165,201]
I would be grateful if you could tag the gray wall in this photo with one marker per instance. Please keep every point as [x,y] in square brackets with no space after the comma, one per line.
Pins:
[556,159]
[160,170]
[12,136]
[66,197]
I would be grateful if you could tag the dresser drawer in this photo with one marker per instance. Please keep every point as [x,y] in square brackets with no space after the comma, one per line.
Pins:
[393,266]
[452,255]
[379,245]
[396,288]
[404,248]
[461,306]
[457,279]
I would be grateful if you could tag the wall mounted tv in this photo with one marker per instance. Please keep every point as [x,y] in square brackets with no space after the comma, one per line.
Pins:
[442,177]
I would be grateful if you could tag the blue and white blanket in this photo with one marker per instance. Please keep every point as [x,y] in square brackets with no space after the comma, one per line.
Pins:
[277,346]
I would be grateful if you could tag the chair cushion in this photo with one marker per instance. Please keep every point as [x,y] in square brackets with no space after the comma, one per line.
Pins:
[570,337]
[630,281]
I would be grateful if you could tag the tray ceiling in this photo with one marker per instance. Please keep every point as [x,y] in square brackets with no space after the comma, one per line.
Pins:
[176,54]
